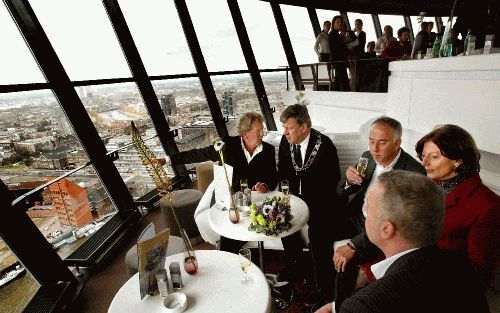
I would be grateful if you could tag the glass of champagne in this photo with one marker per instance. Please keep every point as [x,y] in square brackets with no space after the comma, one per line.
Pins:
[243,184]
[285,187]
[362,165]
[245,262]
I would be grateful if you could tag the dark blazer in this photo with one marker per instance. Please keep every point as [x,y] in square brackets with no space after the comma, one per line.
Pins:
[319,181]
[424,280]
[338,49]
[262,168]
[354,207]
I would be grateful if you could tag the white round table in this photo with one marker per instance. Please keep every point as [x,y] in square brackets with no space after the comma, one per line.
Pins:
[216,287]
[219,221]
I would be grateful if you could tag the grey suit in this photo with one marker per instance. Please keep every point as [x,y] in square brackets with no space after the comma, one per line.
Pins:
[424,280]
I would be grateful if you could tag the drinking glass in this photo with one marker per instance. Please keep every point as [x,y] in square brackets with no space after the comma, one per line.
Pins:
[243,184]
[245,262]
[362,165]
[285,187]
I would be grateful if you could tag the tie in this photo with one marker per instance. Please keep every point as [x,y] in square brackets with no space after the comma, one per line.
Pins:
[297,155]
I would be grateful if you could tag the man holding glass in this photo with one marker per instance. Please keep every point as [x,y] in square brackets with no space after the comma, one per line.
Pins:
[385,154]
[308,161]
[253,161]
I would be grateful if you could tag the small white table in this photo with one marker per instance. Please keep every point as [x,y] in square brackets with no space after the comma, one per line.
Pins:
[216,287]
[219,221]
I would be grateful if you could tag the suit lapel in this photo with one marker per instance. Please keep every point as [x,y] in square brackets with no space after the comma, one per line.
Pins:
[310,145]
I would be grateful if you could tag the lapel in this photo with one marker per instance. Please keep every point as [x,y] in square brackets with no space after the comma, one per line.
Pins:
[310,145]
[401,163]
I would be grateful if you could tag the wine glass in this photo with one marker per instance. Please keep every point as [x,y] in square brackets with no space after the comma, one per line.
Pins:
[285,187]
[243,184]
[362,165]
[245,261]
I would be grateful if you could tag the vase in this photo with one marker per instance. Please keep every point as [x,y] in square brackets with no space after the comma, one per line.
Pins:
[190,260]
[234,214]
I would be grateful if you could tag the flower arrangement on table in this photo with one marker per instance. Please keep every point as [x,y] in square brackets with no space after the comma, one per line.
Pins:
[271,217]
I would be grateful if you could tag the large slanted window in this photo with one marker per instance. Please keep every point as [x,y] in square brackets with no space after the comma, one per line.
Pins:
[325,15]
[16,62]
[263,33]
[301,33]
[158,35]
[396,21]
[217,36]
[83,38]
[16,293]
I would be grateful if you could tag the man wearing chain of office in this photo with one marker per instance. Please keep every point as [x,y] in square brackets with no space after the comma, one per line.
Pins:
[309,161]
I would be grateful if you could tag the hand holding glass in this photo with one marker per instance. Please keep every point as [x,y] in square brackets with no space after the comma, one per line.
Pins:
[361,166]
[246,262]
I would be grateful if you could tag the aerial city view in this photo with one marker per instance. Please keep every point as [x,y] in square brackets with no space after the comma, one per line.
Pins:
[37,145]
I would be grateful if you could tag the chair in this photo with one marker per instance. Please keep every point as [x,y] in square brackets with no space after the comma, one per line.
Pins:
[184,204]
[324,75]
[175,245]
[307,75]
[205,175]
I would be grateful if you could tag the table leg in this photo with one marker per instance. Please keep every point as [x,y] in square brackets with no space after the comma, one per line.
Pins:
[261,256]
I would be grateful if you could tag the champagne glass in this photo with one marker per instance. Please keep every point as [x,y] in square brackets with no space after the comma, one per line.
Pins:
[362,165]
[243,184]
[285,187]
[245,261]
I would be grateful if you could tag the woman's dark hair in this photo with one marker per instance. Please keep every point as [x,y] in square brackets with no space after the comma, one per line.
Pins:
[455,143]
[403,30]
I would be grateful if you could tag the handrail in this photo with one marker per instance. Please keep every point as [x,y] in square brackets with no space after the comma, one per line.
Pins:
[30,193]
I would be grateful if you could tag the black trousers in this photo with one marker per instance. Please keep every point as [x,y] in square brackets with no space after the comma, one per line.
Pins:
[321,249]
[341,80]
[231,245]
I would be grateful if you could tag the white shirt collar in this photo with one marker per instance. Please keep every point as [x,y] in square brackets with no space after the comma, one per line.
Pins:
[390,166]
[247,154]
[379,269]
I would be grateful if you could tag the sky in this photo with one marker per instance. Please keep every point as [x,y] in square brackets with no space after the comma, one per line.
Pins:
[84,39]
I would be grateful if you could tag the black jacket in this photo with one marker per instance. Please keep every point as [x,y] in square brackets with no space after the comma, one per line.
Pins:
[365,249]
[319,181]
[424,280]
[262,168]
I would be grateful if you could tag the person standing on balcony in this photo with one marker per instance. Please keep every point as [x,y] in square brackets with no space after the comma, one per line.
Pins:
[338,55]
[400,49]
[385,39]
[309,161]
[322,46]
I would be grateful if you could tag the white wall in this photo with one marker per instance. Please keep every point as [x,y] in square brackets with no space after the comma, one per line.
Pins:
[422,94]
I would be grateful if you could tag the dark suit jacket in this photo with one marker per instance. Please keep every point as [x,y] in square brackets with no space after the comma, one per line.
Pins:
[424,280]
[354,208]
[262,168]
[319,181]
[338,49]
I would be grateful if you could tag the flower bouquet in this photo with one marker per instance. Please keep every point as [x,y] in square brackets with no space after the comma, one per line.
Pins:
[271,217]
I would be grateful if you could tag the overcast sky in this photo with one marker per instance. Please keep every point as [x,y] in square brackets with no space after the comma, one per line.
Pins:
[83,38]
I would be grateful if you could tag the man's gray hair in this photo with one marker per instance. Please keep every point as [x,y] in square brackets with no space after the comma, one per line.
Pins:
[246,120]
[397,130]
[415,204]
[297,111]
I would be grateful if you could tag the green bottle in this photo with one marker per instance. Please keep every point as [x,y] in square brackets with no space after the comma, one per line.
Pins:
[436,47]
[466,42]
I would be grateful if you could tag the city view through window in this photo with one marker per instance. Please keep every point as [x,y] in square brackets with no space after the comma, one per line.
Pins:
[38,143]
